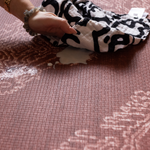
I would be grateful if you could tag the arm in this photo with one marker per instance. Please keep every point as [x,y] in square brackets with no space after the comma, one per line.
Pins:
[40,22]
[17,7]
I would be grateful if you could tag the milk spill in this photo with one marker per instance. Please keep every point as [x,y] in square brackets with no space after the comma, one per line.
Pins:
[71,55]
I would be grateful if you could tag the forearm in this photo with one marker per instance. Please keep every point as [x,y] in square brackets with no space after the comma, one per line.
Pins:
[17,7]
[45,23]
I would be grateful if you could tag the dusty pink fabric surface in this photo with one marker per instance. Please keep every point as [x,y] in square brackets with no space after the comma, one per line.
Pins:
[104,105]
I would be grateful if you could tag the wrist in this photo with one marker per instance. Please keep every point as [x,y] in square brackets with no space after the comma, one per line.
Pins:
[28,19]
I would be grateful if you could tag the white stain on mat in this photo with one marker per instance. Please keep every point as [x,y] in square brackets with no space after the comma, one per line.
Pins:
[71,55]
[15,72]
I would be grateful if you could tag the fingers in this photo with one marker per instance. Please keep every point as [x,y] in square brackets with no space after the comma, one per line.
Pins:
[65,27]
[49,24]
[72,30]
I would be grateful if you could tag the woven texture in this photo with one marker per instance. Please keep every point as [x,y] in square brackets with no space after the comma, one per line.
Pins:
[103,105]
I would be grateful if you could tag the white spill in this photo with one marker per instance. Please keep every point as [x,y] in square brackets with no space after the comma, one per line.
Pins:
[16,72]
[49,64]
[57,62]
[71,55]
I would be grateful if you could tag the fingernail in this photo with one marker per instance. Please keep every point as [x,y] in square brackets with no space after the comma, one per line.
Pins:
[74,31]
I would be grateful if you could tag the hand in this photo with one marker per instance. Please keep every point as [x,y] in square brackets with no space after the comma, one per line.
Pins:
[48,23]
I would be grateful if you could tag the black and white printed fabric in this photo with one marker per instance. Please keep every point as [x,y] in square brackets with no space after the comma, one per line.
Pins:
[97,30]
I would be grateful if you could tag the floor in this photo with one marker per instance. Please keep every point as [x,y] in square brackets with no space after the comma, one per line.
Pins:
[101,105]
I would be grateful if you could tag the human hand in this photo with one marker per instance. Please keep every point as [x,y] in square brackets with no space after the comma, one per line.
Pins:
[47,23]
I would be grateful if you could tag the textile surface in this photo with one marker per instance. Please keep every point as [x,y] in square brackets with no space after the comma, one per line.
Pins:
[104,105]
[106,30]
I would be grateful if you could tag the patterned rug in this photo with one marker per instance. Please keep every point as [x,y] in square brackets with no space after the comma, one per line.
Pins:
[102,104]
